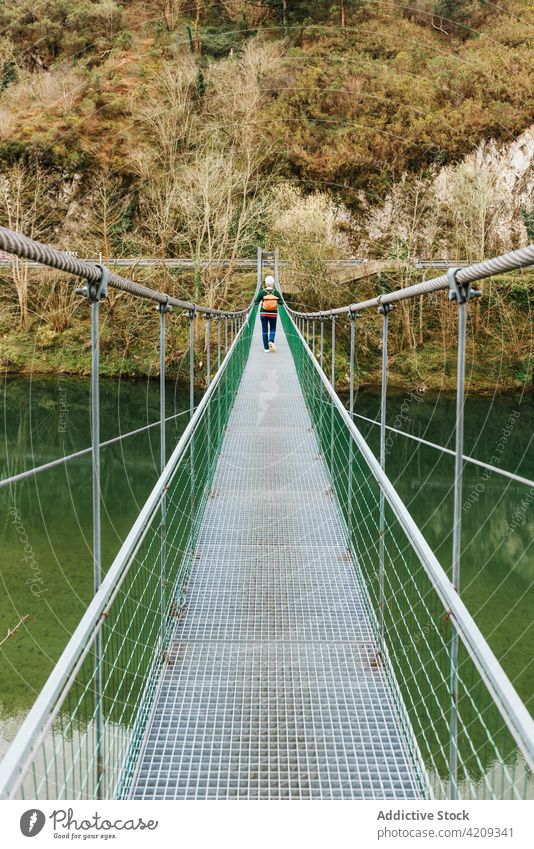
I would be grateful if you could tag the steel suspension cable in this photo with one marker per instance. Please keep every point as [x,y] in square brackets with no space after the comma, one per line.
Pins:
[511,261]
[26,248]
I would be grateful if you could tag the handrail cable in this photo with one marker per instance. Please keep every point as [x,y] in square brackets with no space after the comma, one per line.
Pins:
[41,715]
[26,248]
[511,706]
[442,448]
[506,262]
[59,460]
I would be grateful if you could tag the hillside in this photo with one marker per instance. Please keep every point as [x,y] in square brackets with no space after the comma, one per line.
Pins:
[193,128]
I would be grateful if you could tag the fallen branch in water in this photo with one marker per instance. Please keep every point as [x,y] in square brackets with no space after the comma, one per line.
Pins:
[12,632]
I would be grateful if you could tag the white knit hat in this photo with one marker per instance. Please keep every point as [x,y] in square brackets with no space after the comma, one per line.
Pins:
[269,282]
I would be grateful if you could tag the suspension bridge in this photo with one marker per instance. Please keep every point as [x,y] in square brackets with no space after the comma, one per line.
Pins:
[275,625]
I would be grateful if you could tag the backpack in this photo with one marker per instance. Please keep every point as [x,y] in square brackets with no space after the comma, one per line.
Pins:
[270,303]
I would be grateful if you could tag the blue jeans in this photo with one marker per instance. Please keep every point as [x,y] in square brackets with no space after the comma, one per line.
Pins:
[268,329]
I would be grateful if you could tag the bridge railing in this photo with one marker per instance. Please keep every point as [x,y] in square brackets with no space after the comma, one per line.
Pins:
[81,738]
[473,732]
[82,735]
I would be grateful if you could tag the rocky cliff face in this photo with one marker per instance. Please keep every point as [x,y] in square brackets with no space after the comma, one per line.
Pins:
[467,210]
[507,171]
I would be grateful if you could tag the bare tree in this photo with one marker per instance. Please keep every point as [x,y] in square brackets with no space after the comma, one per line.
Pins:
[203,187]
[222,205]
[169,119]
[309,229]
[237,92]
[54,300]
[108,207]
[252,13]
[170,12]
[23,208]
[471,210]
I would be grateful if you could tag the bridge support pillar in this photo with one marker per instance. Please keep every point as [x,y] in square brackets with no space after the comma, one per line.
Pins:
[259,276]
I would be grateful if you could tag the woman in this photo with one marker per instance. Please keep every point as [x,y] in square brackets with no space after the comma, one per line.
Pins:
[269,298]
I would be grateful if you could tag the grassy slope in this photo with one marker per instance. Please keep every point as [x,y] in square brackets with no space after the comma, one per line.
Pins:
[351,108]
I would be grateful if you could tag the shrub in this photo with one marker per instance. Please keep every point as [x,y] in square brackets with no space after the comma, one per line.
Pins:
[44,30]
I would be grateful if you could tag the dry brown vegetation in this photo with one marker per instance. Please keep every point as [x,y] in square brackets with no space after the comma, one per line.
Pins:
[183,127]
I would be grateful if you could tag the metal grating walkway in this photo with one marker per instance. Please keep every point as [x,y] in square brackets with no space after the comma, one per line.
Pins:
[272,691]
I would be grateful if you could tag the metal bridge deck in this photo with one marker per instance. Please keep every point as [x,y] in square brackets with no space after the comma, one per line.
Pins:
[272,690]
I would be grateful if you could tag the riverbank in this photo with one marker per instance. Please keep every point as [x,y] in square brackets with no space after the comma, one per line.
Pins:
[44,352]
[422,338]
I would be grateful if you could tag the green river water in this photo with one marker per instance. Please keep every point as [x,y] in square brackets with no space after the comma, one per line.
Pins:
[46,571]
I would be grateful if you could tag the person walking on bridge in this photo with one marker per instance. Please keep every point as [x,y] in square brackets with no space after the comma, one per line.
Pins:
[270,298]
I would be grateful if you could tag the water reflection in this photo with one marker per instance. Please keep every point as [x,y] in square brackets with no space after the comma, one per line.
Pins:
[47,521]
[497,577]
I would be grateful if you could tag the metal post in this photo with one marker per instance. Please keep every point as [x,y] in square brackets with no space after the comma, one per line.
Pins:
[351,369]
[208,349]
[97,547]
[95,292]
[276,267]
[208,381]
[313,337]
[351,410]
[333,364]
[226,334]
[219,391]
[95,431]
[461,295]
[259,275]
[192,443]
[385,309]
[163,310]
[191,363]
[332,380]
[321,349]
